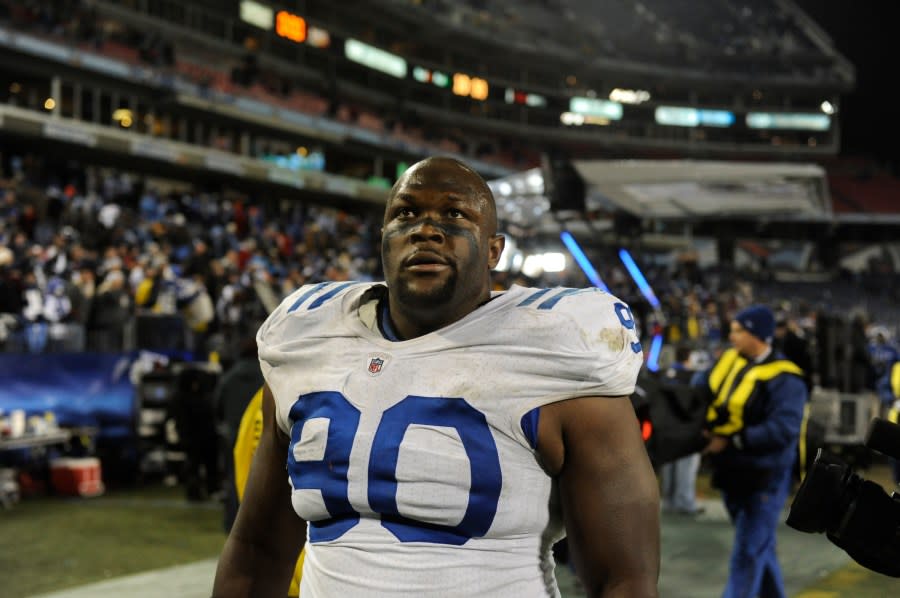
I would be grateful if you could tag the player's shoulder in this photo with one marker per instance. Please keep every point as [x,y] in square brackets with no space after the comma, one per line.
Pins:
[581,304]
[313,303]
[310,298]
[571,319]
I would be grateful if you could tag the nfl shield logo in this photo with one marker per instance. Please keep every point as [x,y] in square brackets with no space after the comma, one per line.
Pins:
[375,365]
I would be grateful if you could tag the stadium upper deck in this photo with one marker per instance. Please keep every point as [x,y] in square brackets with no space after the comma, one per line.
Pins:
[757,79]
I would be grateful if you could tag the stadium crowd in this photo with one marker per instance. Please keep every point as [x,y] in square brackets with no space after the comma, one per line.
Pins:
[79,260]
[109,261]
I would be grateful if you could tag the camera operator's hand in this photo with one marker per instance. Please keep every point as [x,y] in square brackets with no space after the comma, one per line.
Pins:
[716,444]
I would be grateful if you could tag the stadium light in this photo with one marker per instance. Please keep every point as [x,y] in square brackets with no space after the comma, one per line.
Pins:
[532,266]
[638,277]
[582,260]
[553,261]
[318,37]
[655,349]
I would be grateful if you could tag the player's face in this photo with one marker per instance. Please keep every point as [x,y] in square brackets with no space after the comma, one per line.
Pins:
[439,240]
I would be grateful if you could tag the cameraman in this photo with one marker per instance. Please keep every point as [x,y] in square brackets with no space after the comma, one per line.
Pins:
[753,425]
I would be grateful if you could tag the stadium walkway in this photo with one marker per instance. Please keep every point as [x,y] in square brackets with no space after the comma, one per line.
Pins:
[694,565]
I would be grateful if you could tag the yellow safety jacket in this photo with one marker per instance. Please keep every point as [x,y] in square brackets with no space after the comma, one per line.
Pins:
[894,411]
[725,415]
[731,399]
[245,445]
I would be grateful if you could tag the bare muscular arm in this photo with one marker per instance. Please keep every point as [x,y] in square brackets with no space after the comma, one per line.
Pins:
[609,493]
[263,546]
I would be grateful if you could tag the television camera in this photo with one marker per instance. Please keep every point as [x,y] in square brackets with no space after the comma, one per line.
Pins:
[855,514]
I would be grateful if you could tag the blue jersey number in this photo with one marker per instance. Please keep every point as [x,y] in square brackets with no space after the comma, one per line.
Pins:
[330,474]
[627,320]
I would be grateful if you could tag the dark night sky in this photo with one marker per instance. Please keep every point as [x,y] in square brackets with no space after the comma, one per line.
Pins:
[865,32]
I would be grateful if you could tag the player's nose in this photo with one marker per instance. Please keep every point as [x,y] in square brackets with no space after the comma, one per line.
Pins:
[427,229]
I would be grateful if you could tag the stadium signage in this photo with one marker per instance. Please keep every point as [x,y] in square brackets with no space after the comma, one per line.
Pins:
[256,14]
[681,116]
[375,58]
[594,107]
[70,133]
[474,87]
[789,120]
[290,26]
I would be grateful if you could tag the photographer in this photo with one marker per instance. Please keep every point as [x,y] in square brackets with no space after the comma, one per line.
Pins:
[753,425]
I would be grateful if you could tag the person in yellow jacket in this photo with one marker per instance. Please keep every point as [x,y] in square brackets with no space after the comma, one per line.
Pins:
[244,449]
[889,393]
[753,426]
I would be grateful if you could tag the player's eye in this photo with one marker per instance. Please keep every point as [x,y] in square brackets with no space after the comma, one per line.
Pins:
[454,213]
[404,213]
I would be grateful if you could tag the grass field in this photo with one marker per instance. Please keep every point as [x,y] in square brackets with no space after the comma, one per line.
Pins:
[51,543]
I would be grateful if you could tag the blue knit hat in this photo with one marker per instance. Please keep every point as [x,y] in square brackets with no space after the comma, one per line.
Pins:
[759,321]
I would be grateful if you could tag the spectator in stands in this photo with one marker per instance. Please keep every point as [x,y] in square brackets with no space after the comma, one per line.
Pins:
[110,314]
[82,291]
[753,427]
[11,302]
[156,291]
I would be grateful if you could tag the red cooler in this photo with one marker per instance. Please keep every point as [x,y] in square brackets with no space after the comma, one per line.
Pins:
[76,477]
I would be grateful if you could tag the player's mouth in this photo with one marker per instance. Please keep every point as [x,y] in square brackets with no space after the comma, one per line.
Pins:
[425,262]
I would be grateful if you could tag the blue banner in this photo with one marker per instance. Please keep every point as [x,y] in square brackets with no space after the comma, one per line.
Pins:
[80,389]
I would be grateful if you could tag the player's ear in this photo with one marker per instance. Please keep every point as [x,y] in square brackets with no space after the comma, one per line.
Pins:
[495,250]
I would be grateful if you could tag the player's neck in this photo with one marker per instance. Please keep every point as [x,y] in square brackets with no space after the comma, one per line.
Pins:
[400,322]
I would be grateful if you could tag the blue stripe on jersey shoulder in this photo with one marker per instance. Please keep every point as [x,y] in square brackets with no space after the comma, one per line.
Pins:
[307,295]
[323,298]
[556,294]
[320,300]
[549,303]
[534,297]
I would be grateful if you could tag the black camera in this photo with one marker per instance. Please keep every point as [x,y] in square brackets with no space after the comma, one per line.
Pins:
[857,515]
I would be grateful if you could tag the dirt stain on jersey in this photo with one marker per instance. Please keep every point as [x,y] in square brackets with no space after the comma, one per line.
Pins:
[613,338]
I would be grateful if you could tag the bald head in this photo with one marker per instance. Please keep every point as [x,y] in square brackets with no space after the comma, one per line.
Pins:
[442,173]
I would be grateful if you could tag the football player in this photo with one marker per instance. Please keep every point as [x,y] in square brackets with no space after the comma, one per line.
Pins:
[440,438]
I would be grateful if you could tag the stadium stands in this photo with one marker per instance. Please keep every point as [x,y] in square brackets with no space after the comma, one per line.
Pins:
[550,77]
[199,76]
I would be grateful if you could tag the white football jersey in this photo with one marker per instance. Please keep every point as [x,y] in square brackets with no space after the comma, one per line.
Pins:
[413,461]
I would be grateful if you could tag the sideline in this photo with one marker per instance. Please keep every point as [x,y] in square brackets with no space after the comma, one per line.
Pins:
[695,552]
[193,580]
